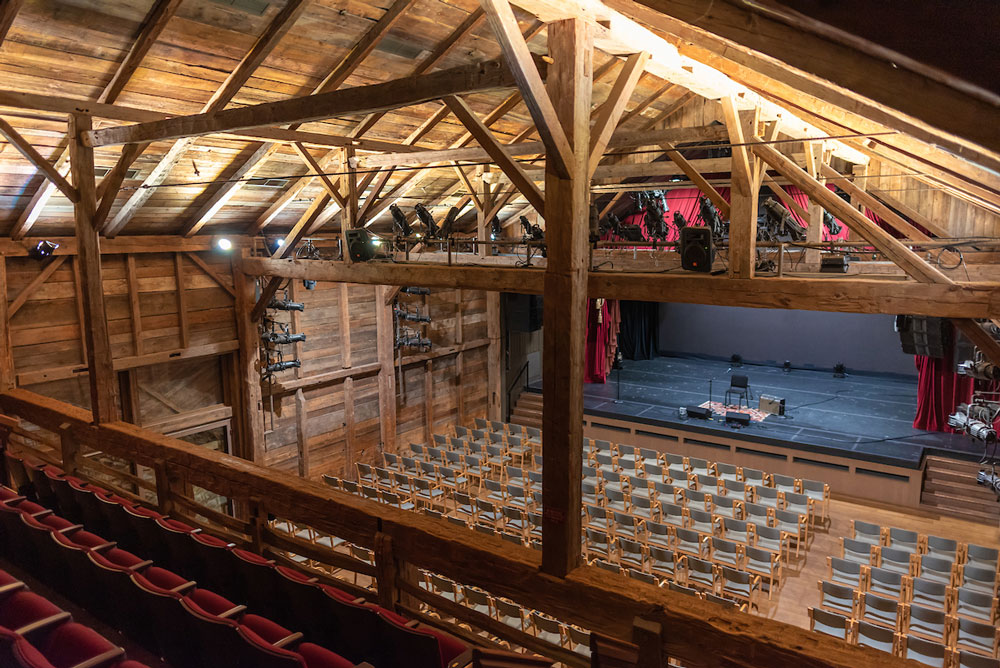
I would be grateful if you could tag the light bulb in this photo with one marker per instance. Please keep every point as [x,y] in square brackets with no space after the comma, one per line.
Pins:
[224,244]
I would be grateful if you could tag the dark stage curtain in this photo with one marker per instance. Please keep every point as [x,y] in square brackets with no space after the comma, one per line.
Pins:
[939,391]
[637,338]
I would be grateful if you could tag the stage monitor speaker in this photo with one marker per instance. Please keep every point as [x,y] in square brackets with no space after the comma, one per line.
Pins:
[920,335]
[772,405]
[523,312]
[699,412]
[359,245]
[742,419]
[697,251]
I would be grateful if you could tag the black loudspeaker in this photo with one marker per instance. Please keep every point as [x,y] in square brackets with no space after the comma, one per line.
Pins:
[359,245]
[741,419]
[697,251]
[523,312]
[699,412]
[931,337]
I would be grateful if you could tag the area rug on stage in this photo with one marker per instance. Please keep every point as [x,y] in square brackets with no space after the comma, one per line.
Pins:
[719,408]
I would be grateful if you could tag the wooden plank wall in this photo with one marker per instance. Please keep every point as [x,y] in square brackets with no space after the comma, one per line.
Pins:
[343,415]
[144,320]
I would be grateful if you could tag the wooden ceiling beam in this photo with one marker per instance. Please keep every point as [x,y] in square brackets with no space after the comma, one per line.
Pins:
[663,91]
[25,148]
[8,12]
[611,111]
[843,295]
[853,63]
[529,82]
[265,43]
[480,77]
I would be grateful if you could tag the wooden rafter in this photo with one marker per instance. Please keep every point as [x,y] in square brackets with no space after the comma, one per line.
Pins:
[920,219]
[496,151]
[25,148]
[515,49]
[19,300]
[8,12]
[611,112]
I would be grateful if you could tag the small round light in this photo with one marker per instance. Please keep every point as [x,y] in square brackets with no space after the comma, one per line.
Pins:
[376,241]
[224,244]
[418,235]
[279,243]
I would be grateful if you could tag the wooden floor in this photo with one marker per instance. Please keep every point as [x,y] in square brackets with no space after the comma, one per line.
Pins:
[799,591]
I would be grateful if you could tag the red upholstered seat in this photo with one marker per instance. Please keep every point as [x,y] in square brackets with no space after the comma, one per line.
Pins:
[160,579]
[84,539]
[129,664]
[294,574]
[264,628]
[208,602]
[116,557]
[24,608]
[338,593]
[7,493]
[320,657]
[72,644]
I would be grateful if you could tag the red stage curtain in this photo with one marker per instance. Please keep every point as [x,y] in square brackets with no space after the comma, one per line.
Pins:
[603,322]
[939,391]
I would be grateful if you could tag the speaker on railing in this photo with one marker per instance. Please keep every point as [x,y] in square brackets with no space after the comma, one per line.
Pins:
[359,245]
[697,251]
[931,337]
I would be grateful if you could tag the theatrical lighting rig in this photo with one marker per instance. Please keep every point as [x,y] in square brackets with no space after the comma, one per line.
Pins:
[411,290]
[411,339]
[711,217]
[449,223]
[401,225]
[680,222]
[410,316]
[981,370]
[42,250]
[427,219]
[285,365]
[831,224]
[281,338]
[496,229]
[967,420]
[779,224]
[286,305]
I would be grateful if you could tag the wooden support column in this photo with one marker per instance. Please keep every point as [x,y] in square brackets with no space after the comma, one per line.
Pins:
[459,359]
[70,452]
[389,571]
[486,197]
[743,207]
[102,374]
[348,387]
[301,432]
[493,357]
[814,233]
[182,316]
[133,302]
[8,379]
[567,216]
[429,401]
[386,343]
[250,442]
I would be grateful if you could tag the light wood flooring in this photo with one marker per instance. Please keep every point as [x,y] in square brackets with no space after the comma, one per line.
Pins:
[799,590]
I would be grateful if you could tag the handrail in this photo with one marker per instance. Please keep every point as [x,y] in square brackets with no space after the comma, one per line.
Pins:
[510,388]
[697,632]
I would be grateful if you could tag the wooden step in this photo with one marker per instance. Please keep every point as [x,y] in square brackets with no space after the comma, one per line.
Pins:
[530,399]
[946,464]
[961,489]
[986,511]
[949,475]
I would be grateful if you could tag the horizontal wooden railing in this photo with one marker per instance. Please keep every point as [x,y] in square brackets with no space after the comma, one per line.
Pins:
[697,632]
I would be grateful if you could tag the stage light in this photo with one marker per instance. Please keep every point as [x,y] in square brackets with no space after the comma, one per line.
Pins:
[496,229]
[376,242]
[786,367]
[273,244]
[399,221]
[281,338]
[308,284]
[224,244]
[839,370]
[982,370]
[285,305]
[42,250]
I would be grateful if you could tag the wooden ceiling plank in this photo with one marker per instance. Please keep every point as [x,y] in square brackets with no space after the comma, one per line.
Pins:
[155,22]
[497,152]
[917,217]
[611,111]
[265,43]
[862,66]
[31,154]
[664,90]
[758,71]
[515,49]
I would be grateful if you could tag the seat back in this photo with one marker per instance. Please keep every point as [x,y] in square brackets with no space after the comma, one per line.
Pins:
[739,382]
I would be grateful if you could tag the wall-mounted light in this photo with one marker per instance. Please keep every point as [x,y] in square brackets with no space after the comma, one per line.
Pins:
[224,244]
[42,250]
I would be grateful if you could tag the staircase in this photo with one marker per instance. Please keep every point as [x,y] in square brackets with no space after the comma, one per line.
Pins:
[528,410]
[950,488]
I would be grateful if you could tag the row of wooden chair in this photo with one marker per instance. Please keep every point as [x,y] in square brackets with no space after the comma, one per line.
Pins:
[916,543]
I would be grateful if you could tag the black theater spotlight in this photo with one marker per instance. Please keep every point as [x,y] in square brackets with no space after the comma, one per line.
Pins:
[839,370]
[736,359]
[42,250]
[496,229]
[786,367]
[273,244]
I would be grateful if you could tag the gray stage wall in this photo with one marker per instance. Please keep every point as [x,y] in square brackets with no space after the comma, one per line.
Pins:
[864,342]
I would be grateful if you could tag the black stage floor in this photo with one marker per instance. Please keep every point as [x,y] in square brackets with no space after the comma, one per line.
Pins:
[862,416]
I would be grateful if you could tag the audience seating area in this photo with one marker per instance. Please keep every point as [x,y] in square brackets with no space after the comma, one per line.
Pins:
[707,528]
[182,602]
[921,597]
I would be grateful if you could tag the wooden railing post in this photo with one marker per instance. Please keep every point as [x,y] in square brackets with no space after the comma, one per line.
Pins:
[389,571]
[257,517]
[70,450]
[164,486]
[648,636]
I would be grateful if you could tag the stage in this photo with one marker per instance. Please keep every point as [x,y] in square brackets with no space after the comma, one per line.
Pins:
[863,417]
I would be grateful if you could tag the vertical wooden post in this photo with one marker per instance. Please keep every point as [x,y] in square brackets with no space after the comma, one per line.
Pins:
[386,377]
[129,392]
[165,484]
[301,432]
[486,197]
[348,388]
[459,359]
[494,378]
[567,217]
[7,377]
[250,442]
[182,316]
[133,302]
[389,571]
[429,401]
[102,374]
[257,517]
[70,451]
[814,233]
[743,197]
[648,637]
[345,325]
